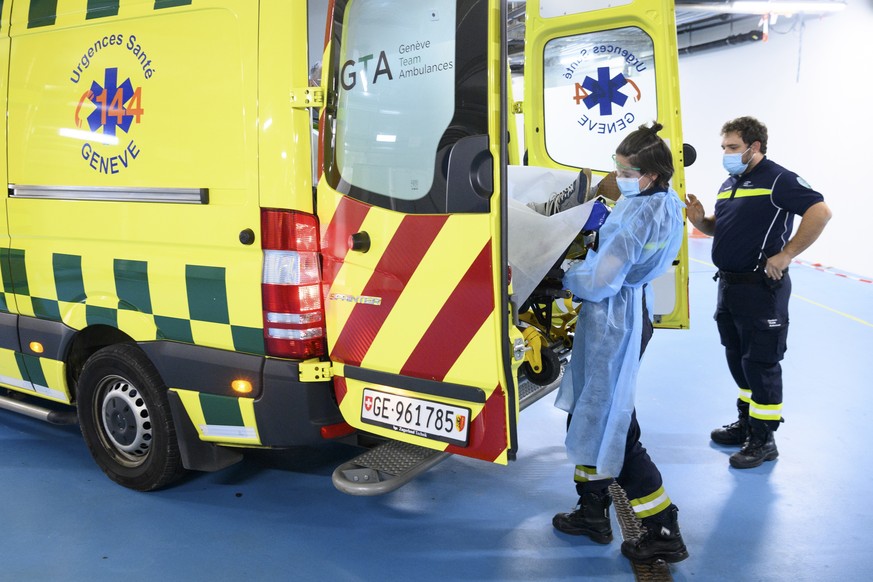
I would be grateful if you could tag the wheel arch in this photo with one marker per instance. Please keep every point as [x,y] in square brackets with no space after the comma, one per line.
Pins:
[85,344]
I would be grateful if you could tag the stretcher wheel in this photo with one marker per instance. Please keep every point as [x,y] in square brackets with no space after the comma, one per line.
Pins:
[550,371]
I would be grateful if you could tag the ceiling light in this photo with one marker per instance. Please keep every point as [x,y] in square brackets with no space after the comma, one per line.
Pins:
[765,7]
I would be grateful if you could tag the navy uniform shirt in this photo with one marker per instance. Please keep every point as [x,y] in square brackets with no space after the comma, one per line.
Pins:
[754,215]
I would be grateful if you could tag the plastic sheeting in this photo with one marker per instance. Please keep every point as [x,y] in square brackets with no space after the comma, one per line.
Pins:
[537,242]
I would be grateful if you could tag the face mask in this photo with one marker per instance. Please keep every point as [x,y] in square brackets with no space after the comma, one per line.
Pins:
[629,187]
[733,163]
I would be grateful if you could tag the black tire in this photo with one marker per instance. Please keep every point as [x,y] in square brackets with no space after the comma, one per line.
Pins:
[125,419]
[550,372]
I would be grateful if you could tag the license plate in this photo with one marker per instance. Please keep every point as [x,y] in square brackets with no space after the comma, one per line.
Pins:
[415,416]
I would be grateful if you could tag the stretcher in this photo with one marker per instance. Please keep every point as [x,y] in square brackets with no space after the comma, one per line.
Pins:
[540,249]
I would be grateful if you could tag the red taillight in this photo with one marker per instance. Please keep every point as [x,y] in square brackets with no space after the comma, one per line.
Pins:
[291,285]
[286,230]
[335,431]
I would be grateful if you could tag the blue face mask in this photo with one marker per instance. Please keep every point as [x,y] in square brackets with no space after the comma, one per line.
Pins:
[629,187]
[733,163]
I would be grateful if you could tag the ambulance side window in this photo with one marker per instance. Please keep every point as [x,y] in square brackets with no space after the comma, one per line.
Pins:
[597,88]
[406,87]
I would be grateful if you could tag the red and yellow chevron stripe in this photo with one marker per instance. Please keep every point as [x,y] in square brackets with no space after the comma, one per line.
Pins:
[421,304]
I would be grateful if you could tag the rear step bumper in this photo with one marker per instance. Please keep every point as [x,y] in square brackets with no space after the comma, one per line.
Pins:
[384,468]
[393,464]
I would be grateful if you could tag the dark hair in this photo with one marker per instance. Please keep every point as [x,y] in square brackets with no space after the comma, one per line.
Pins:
[749,129]
[648,152]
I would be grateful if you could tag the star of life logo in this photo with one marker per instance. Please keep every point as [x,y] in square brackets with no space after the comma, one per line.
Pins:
[116,106]
[107,113]
[602,93]
[597,87]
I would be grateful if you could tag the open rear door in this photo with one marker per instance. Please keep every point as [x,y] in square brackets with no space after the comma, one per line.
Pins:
[593,72]
[411,216]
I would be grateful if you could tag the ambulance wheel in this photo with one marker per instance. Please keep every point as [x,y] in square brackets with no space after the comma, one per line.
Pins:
[125,419]
[550,371]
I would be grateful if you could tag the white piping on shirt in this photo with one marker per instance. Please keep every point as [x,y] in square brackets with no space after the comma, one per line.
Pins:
[773,222]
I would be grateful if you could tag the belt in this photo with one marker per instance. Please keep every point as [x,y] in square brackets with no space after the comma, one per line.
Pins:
[748,277]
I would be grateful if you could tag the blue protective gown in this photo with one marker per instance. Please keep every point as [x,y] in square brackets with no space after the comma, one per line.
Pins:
[638,242]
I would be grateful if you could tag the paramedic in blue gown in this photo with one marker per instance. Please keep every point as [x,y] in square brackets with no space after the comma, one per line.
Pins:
[638,243]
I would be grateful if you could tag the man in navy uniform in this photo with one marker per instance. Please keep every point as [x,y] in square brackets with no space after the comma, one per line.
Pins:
[752,248]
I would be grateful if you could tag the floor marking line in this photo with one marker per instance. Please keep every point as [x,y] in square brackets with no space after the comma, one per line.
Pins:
[846,315]
[801,297]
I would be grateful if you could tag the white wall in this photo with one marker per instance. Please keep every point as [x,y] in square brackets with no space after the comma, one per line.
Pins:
[810,87]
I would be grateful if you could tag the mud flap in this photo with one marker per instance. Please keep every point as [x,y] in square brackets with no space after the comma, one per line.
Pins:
[196,454]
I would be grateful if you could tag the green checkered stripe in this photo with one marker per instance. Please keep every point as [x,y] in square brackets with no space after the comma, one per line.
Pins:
[206,289]
[44,12]
[33,377]
[6,276]
[29,367]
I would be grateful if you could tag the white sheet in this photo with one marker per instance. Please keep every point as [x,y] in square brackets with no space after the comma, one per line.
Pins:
[536,242]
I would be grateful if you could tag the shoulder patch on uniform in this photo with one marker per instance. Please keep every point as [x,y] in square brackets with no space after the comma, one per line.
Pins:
[803,183]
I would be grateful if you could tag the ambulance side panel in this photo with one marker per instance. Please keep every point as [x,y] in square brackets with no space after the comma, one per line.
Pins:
[8,321]
[285,154]
[134,209]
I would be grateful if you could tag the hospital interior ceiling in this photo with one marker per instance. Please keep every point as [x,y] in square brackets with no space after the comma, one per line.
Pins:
[707,24]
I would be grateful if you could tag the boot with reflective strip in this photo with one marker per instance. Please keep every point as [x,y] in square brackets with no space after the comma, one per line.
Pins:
[590,518]
[761,447]
[735,433]
[660,539]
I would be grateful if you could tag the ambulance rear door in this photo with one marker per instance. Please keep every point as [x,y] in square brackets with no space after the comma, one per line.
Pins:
[411,216]
[593,72]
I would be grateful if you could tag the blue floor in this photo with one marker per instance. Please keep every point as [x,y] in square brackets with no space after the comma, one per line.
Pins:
[276,516]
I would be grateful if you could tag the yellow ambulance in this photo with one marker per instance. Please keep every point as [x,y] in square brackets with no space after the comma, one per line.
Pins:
[176,282]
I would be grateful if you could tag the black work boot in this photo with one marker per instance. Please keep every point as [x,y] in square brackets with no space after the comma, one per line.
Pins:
[660,539]
[735,433]
[590,518]
[761,447]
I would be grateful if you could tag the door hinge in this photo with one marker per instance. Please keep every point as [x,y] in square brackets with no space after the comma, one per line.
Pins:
[314,371]
[307,97]
[518,107]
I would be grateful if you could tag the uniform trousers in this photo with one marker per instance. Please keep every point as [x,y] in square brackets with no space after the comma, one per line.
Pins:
[752,319]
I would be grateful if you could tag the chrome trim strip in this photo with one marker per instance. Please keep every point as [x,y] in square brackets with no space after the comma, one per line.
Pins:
[104,194]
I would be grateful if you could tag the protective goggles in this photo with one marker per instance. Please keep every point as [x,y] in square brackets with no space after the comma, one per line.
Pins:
[624,171]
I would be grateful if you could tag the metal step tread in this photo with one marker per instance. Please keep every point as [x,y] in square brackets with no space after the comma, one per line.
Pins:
[631,527]
[385,468]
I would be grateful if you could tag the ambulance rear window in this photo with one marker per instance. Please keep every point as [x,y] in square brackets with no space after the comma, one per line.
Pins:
[409,80]
[598,87]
